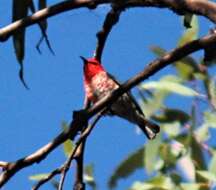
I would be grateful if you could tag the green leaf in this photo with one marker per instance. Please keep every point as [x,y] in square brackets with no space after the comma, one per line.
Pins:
[162,182]
[68,145]
[197,155]
[38,177]
[127,167]
[210,119]
[41,5]
[194,186]
[172,115]
[20,10]
[167,155]
[158,51]
[170,86]
[42,176]
[212,92]
[202,133]
[187,68]
[208,175]
[141,186]
[170,153]
[151,154]
[190,34]
[32,6]
[89,177]
[157,183]
[188,19]
[176,177]
[153,103]
[43,27]
[212,165]
[172,129]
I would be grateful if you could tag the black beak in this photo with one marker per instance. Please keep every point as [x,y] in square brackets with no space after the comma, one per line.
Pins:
[84,59]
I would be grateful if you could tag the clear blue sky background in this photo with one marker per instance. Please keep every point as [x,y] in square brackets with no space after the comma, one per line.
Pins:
[31,118]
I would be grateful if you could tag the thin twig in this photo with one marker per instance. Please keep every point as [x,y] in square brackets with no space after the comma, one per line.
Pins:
[64,168]
[111,19]
[46,179]
[83,136]
[79,183]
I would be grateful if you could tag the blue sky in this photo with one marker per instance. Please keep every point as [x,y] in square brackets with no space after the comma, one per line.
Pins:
[31,118]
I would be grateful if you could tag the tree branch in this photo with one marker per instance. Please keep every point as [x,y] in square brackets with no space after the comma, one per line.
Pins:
[58,8]
[201,7]
[79,183]
[46,179]
[111,19]
[82,138]
[80,118]
[75,153]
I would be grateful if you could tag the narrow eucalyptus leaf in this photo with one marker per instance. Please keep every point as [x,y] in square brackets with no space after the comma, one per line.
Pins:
[151,153]
[43,27]
[187,20]
[212,165]
[41,5]
[68,145]
[38,177]
[172,115]
[157,183]
[171,87]
[208,175]
[190,34]
[158,51]
[197,155]
[20,10]
[89,176]
[32,6]
[194,186]
[127,167]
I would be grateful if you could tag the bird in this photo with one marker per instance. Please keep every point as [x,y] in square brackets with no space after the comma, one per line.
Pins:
[98,83]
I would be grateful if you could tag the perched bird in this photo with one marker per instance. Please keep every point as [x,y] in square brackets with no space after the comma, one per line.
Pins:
[98,83]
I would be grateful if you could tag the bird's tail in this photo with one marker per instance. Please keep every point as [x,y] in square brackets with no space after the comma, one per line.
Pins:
[149,128]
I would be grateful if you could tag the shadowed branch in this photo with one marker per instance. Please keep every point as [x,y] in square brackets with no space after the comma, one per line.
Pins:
[200,7]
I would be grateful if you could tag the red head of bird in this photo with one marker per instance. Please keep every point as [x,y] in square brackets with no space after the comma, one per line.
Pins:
[91,68]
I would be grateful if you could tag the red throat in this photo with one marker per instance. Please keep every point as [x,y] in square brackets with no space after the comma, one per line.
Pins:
[91,68]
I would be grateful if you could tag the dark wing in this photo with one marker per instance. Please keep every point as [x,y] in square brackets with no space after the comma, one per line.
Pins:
[150,129]
[129,94]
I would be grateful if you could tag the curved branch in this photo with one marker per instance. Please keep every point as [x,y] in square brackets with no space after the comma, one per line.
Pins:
[201,7]
[111,19]
[82,138]
[58,8]
[48,178]
[65,167]
[80,118]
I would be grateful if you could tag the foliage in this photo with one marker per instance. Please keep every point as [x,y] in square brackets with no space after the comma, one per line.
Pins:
[177,158]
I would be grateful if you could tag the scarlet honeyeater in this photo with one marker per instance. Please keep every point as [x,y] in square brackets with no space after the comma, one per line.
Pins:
[98,83]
